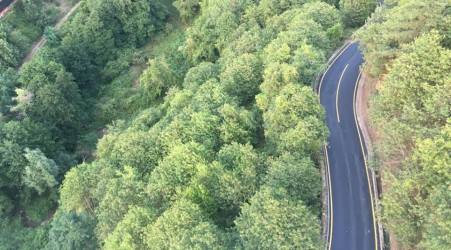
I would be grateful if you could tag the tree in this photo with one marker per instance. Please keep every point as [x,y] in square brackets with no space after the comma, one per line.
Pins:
[276,76]
[6,205]
[414,100]
[132,22]
[211,31]
[437,224]
[241,77]
[137,149]
[40,172]
[72,231]
[238,124]
[355,12]
[299,177]
[391,27]
[174,172]
[269,8]
[238,177]
[294,121]
[129,233]
[77,192]
[122,192]
[53,96]
[8,82]
[188,9]
[270,222]
[156,79]
[183,226]
[35,12]
[419,193]
[9,55]
[309,61]
[199,74]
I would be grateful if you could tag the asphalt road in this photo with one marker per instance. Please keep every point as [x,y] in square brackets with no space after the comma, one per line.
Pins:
[351,214]
[4,4]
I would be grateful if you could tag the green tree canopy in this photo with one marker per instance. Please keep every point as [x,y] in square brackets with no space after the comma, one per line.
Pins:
[270,222]
[40,173]
[183,226]
[355,12]
[129,233]
[72,231]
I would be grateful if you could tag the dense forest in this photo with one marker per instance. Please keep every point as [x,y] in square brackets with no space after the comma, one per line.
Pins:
[407,46]
[162,124]
[166,124]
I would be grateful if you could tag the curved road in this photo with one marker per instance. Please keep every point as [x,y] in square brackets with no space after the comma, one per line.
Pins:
[351,213]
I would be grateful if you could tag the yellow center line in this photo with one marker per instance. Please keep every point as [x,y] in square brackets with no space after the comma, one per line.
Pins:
[365,162]
[338,90]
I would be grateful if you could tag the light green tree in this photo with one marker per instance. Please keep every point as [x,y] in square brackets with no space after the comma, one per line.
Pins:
[183,226]
[129,233]
[40,172]
[123,191]
[298,176]
[188,9]
[270,222]
[156,79]
[355,12]
[241,77]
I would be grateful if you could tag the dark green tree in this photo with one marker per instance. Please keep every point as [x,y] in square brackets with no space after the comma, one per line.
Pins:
[355,12]
[72,231]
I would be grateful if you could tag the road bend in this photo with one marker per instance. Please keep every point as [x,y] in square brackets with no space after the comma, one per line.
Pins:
[351,209]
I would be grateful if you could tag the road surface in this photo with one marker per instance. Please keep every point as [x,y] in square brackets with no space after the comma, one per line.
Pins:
[350,202]
[4,6]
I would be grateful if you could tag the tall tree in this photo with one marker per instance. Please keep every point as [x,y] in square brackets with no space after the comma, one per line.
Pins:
[355,12]
[183,226]
[270,222]
[40,172]
[72,231]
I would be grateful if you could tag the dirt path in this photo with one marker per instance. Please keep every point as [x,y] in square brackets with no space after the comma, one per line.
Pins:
[41,42]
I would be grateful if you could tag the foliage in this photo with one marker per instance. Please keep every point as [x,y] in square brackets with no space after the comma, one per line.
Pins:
[156,79]
[408,49]
[129,233]
[420,193]
[299,177]
[293,122]
[40,172]
[188,9]
[120,192]
[72,231]
[414,101]
[355,12]
[219,132]
[181,226]
[270,222]
[398,24]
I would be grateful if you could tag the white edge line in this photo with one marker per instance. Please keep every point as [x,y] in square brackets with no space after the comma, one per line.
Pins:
[365,162]
[331,203]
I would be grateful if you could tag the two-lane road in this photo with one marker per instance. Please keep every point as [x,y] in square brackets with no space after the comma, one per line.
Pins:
[351,210]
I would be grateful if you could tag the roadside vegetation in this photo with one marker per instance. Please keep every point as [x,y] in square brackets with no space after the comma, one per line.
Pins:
[408,49]
[169,125]
[24,24]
